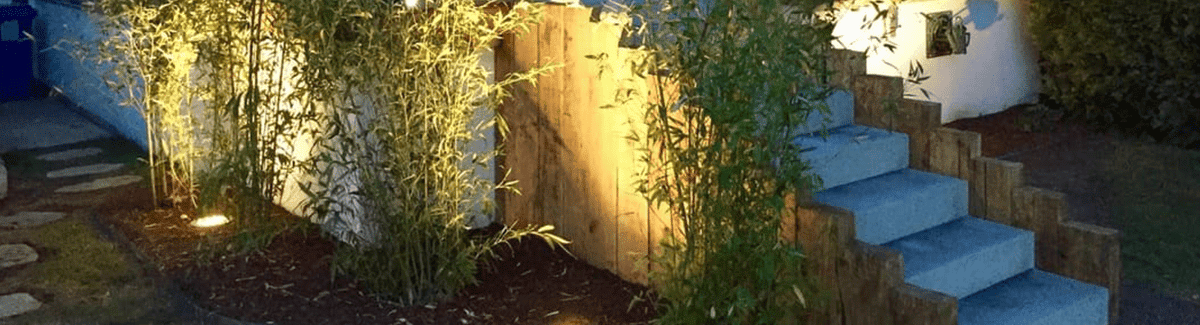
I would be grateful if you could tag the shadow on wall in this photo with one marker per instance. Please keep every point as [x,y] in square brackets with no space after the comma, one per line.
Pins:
[983,13]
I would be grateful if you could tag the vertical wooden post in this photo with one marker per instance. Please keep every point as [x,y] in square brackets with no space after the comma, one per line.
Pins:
[918,120]
[554,160]
[518,52]
[1041,211]
[846,65]
[999,179]
[1094,256]
[877,100]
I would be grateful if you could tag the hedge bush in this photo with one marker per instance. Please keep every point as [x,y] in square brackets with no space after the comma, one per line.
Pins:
[1126,64]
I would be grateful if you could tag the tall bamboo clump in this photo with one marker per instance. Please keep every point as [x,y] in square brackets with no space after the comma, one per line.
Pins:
[394,179]
[209,78]
[149,57]
[368,104]
[720,157]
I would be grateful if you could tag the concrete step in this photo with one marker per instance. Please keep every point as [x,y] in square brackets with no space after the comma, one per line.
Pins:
[1036,297]
[841,109]
[898,204]
[964,256]
[853,152]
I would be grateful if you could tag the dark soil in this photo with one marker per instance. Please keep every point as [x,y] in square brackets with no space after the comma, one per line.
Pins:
[289,281]
[1067,156]
[206,280]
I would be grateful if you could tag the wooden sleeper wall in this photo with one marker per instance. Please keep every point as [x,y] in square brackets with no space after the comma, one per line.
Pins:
[573,164]
[998,193]
[862,277]
[997,190]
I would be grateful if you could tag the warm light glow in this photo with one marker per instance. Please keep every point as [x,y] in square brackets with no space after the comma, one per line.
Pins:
[210,221]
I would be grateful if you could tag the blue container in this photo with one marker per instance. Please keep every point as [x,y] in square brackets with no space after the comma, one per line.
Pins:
[16,51]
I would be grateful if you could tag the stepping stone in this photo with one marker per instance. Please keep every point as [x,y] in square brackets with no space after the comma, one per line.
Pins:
[30,219]
[18,303]
[70,154]
[16,254]
[84,170]
[100,184]
[3,180]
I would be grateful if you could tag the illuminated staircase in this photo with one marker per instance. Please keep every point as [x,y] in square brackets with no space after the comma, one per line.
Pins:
[988,267]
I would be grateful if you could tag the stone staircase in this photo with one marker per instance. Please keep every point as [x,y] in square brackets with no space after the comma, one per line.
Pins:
[988,268]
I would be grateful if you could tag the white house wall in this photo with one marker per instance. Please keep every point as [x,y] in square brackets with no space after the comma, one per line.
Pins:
[57,23]
[54,25]
[999,70]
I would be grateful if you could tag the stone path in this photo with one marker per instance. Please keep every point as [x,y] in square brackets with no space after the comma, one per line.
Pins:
[18,303]
[70,154]
[27,219]
[84,170]
[99,184]
[16,254]
[3,180]
[94,177]
[43,123]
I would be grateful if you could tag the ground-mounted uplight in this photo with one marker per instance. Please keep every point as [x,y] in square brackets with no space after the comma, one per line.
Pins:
[210,221]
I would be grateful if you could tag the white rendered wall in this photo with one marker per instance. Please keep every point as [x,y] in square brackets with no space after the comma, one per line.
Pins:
[999,70]
[80,84]
[56,23]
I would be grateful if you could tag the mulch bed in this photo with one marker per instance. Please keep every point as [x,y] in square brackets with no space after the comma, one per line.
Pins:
[289,281]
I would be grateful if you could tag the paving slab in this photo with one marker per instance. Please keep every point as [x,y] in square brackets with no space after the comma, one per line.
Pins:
[3,180]
[851,153]
[42,123]
[898,204]
[964,256]
[18,303]
[84,170]
[1036,297]
[70,154]
[98,184]
[16,254]
[26,219]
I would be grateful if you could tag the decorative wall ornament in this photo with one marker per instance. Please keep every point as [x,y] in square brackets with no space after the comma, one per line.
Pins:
[945,34]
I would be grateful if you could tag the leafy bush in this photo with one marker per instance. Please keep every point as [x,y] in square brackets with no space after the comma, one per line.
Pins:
[719,152]
[207,76]
[394,178]
[235,93]
[1123,63]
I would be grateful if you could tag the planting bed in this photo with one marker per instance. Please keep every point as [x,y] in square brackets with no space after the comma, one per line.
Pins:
[289,281]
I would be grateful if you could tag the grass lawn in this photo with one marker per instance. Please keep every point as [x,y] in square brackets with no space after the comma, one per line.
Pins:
[1156,191]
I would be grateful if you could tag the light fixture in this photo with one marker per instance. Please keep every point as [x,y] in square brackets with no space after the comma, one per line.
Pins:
[210,221]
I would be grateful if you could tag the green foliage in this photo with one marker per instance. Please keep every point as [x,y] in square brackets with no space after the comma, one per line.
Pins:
[394,178]
[374,102]
[142,39]
[207,76]
[720,156]
[1123,63]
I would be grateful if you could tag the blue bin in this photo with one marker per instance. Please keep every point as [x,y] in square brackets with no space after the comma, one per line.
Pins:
[16,53]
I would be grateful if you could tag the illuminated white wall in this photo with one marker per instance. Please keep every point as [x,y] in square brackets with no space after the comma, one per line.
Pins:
[81,84]
[55,24]
[999,70]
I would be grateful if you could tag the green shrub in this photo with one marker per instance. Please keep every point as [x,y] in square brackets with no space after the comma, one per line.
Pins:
[395,180]
[720,158]
[208,78]
[1123,63]
[235,92]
